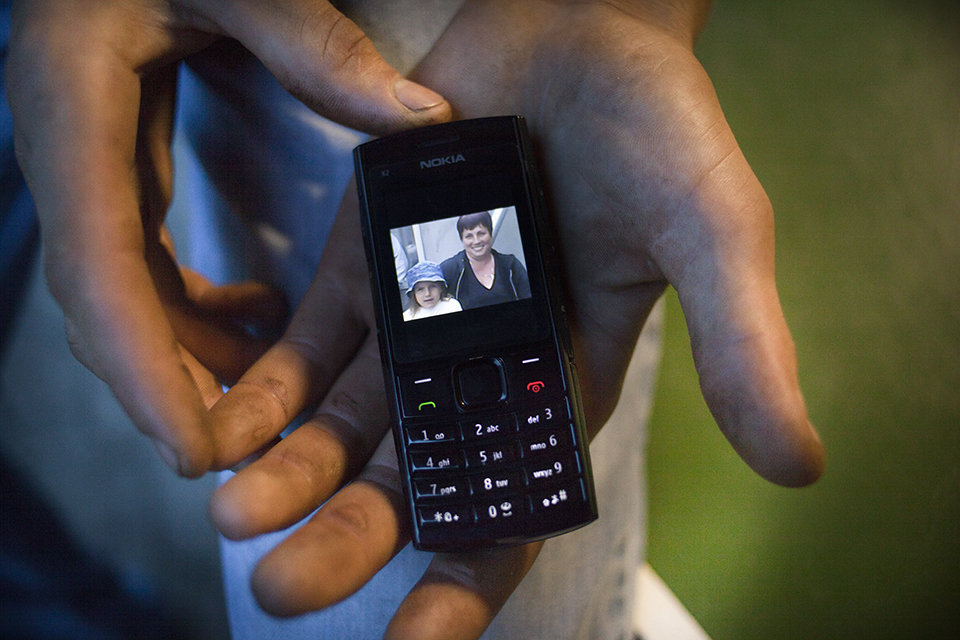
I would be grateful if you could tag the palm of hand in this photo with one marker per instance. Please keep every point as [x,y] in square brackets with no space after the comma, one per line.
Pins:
[648,187]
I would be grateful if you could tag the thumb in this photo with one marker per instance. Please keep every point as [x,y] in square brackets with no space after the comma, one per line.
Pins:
[325,60]
[742,348]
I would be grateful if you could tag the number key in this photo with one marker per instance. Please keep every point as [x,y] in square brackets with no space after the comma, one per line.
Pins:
[441,488]
[432,433]
[495,454]
[435,460]
[544,415]
[547,441]
[495,482]
[488,427]
[508,508]
[546,470]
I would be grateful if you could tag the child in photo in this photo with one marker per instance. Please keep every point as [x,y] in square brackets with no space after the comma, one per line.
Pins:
[427,290]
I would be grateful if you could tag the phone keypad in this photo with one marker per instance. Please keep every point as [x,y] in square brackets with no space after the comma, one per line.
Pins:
[512,469]
[480,383]
[547,441]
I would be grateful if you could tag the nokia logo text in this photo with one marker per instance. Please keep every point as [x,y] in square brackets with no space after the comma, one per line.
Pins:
[436,162]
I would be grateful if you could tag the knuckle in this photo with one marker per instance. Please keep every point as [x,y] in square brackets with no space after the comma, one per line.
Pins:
[353,53]
[192,465]
[348,445]
[340,57]
[349,517]
[314,471]
[346,405]
[307,355]
[270,391]
[340,41]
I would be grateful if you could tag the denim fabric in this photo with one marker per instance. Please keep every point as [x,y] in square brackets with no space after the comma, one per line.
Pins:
[18,218]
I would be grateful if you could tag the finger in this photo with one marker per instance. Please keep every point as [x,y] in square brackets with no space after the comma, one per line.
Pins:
[291,376]
[226,329]
[211,327]
[209,386]
[604,343]
[742,347]
[325,59]
[252,304]
[77,108]
[341,547]
[460,594]
[304,469]
[324,335]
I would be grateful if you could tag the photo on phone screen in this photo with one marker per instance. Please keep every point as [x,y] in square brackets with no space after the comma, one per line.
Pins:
[460,263]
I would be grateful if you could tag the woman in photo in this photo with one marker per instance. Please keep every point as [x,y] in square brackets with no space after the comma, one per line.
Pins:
[479,275]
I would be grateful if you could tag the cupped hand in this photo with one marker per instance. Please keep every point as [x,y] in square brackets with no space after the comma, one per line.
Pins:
[342,457]
[648,188]
[92,87]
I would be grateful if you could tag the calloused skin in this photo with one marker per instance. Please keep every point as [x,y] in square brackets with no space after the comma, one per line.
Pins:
[648,188]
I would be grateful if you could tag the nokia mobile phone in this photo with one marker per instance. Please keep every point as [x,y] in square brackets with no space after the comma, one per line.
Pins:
[479,369]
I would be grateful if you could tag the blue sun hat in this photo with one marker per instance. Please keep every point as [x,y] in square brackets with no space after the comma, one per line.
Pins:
[423,271]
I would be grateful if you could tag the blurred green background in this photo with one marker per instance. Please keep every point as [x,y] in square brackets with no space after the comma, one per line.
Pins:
[849,113]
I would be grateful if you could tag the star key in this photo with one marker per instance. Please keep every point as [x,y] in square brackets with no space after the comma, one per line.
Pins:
[453,516]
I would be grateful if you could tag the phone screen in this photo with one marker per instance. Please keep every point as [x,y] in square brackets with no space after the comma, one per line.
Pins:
[460,263]
[464,265]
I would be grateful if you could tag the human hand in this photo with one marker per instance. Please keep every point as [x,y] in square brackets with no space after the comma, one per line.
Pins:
[648,187]
[342,456]
[92,88]
[641,169]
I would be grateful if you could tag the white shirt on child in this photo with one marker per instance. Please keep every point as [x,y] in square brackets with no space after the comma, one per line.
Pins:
[447,305]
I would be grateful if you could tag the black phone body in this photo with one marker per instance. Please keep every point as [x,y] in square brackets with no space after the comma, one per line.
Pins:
[479,372]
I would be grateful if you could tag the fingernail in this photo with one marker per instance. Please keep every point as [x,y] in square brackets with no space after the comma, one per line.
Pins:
[416,97]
